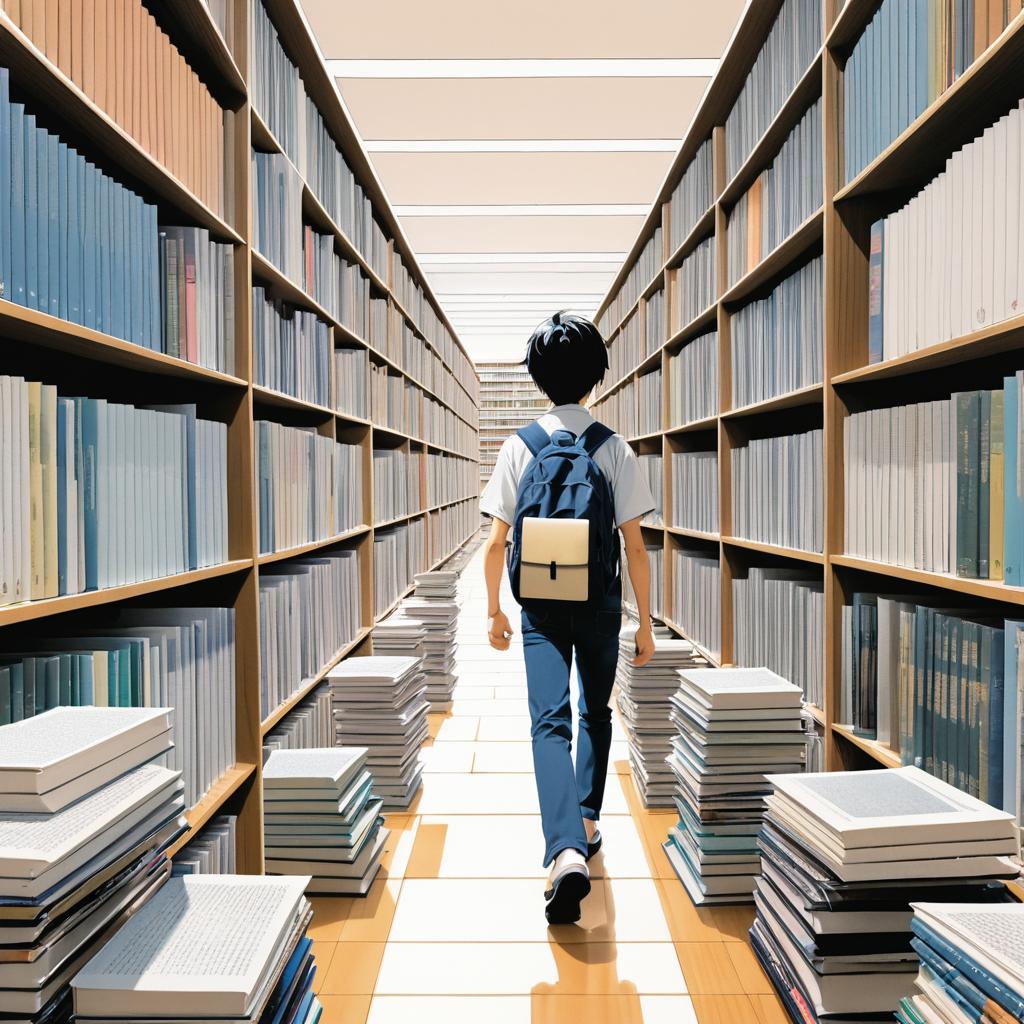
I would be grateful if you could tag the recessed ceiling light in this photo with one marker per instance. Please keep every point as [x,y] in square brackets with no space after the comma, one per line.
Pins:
[585,67]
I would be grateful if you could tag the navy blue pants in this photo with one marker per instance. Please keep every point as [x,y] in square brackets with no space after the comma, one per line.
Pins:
[551,634]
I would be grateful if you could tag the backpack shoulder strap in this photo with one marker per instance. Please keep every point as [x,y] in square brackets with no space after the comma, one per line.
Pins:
[594,436]
[535,437]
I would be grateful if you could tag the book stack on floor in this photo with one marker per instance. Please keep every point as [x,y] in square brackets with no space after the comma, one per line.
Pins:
[972,965]
[85,819]
[321,819]
[644,703]
[207,947]
[734,725]
[380,703]
[435,604]
[400,635]
[843,856]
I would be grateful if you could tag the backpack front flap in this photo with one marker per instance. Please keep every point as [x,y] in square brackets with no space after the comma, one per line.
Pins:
[555,561]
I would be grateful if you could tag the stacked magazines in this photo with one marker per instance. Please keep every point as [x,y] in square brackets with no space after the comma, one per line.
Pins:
[843,857]
[434,604]
[85,820]
[733,725]
[320,818]
[229,948]
[972,965]
[380,703]
[644,695]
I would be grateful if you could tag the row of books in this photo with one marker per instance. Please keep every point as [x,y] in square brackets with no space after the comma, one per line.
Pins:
[693,381]
[939,685]
[948,262]
[277,228]
[781,198]
[778,491]
[452,525]
[309,724]
[697,596]
[692,285]
[118,55]
[279,96]
[309,610]
[78,245]
[619,409]
[213,852]
[656,558]
[779,623]
[624,350]
[449,478]
[648,263]
[777,341]
[906,57]
[94,494]
[291,350]
[692,197]
[394,399]
[399,552]
[445,429]
[180,658]
[845,859]
[652,468]
[695,491]
[379,335]
[788,51]
[352,382]
[396,484]
[648,403]
[654,327]
[310,486]
[337,284]
[944,483]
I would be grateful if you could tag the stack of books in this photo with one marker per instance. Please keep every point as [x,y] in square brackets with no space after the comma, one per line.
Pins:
[399,635]
[434,603]
[321,819]
[734,724]
[85,820]
[207,947]
[645,705]
[843,857]
[380,703]
[971,964]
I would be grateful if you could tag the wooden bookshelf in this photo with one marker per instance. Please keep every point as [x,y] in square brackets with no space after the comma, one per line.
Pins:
[108,367]
[838,232]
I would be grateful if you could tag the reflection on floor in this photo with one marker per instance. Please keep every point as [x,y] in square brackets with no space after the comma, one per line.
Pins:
[453,930]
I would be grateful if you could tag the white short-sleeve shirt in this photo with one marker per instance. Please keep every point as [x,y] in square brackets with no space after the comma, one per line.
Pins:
[615,458]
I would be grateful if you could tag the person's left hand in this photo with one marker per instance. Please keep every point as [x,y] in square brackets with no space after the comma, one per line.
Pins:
[644,645]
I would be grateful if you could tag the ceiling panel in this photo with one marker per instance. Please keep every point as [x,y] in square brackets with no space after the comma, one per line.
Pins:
[522,108]
[520,234]
[559,282]
[529,28]
[444,178]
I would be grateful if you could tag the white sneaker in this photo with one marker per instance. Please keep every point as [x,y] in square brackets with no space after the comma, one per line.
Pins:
[570,884]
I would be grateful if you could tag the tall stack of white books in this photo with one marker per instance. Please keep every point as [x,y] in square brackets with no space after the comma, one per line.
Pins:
[86,815]
[207,947]
[733,725]
[435,604]
[645,705]
[321,819]
[399,635]
[380,703]
[843,857]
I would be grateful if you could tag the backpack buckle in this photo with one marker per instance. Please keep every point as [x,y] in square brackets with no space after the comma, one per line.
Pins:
[554,570]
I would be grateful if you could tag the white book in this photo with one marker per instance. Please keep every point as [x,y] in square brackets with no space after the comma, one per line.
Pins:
[327,767]
[204,945]
[986,294]
[1000,202]
[1011,233]
[8,454]
[53,748]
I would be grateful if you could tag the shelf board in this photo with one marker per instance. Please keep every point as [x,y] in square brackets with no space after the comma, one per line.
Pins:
[285,288]
[886,757]
[210,805]
[385,523]
[950,120]
[797,554]
[697,326]
[816,713]
[1005,336]
[992,590]
[704,227]
[54,91]
[267,396]
[682,531]
[28,610]
[317,545]
[309,685]
[700,647]
[649,436]
[709,423]
[21,324]
[813,394]
[852,19]
[801,241]
[806,90]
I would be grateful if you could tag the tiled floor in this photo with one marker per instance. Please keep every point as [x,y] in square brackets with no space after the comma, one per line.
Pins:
[453,930]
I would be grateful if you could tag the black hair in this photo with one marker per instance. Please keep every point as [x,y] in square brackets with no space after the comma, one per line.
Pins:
[566,357]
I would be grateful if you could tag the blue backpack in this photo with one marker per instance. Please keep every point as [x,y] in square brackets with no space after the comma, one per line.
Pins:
[563,481]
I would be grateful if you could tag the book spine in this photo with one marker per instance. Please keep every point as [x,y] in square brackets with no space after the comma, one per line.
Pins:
[968,407]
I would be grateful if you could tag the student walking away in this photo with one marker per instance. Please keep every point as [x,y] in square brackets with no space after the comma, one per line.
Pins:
[564,488]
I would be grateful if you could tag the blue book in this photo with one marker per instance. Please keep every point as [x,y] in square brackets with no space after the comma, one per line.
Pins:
[19,204]
[31,215]
[75,253]
[63,233]
[984,482]
[87,186]
[1013,507]
[968,416]
[6,197]
[54,225]
[921,627]
[969,968]
[904,62]
[138,272]
[1011,742]
[64,406]
[876,296]
[155,281]
[43,220]
[103,235]
[90,454]
[922,55]
[5,694]
[993,703]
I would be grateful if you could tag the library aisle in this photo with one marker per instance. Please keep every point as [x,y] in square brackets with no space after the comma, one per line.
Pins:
[453,930]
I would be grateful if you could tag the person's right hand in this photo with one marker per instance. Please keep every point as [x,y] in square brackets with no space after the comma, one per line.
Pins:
[500,632]
[644,645]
